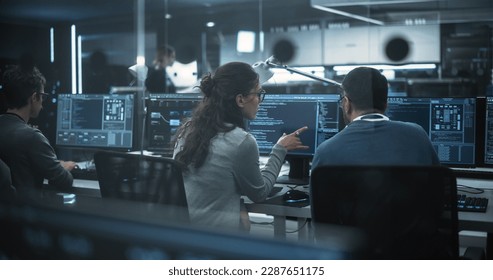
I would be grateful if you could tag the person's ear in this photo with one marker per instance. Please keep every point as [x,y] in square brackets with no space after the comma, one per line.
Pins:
[346,106]
[240,100]
[34,97]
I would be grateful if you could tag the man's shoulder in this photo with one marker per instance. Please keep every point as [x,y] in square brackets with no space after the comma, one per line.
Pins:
[406,125]
[14,123]
[331,143]
[29,133]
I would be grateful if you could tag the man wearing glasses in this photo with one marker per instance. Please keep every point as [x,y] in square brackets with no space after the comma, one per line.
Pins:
[24,149]
[369,137]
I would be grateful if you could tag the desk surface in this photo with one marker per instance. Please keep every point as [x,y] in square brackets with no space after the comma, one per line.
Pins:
[86,184]
[467,220]
[50,225]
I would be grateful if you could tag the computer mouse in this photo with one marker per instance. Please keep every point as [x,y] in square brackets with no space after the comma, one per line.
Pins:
[295,196]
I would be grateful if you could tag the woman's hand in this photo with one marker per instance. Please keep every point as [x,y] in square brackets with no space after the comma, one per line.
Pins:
[292,141]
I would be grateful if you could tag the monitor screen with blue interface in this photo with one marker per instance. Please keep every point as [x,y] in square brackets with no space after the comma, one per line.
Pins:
[449,122]
[488,133]
[95,121]
[285,113]
[165,114]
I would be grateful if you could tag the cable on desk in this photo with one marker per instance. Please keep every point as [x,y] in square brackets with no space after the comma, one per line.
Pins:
[302,226]
[469,189]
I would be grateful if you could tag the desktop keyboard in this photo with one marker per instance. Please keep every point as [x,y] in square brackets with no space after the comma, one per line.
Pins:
[467,203]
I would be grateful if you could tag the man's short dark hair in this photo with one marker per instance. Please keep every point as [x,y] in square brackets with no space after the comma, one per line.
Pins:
[166,50]
[19,83]
[367,88]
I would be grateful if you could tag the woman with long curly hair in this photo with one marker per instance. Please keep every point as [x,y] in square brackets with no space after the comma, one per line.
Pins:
[222,158]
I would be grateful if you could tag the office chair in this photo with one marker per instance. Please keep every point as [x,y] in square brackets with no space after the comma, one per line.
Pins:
[7,190]
[403,212]
[141,178]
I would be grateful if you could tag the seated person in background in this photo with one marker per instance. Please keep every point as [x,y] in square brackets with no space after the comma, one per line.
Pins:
[222,158]
[24,149]
[98,76]
[157,79]
[369,137]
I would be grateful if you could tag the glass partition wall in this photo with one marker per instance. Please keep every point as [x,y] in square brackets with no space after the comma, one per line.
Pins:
[437,48]
[425,48]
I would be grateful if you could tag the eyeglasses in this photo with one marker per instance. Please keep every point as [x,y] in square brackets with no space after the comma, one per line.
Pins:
[261,94]
[341,97]
[43,95]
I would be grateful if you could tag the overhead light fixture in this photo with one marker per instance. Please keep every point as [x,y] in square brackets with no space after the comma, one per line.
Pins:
[73,54]
[245,42]
[52,44]
[79,64]
[210,24]
[344,69]
[346,14]
[330,5]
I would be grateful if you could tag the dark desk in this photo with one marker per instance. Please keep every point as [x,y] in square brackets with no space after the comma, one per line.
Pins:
[45,224]
[280,212]
[467,220]
[482,222]
[472,221]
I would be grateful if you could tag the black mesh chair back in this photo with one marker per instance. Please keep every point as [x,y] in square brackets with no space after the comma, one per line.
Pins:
[7,191]
[404,212]
[140,178]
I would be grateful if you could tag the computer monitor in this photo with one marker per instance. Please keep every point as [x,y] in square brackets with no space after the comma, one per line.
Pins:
[488,132]
[449,122]
[284,113]
[165,114]
[95,121]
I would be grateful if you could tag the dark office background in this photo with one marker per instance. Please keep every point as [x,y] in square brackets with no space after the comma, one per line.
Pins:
[109,27]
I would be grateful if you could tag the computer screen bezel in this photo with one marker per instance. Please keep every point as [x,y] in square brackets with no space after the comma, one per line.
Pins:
[165,97]
[475,133]
[482,131]
[299,160]
[134,116]
[310,97]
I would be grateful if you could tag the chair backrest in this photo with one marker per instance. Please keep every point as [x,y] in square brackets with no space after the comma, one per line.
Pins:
[141,178]
[7,190]
[405,212]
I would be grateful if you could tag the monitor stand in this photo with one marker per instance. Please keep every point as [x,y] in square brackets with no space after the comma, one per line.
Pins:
[299,170]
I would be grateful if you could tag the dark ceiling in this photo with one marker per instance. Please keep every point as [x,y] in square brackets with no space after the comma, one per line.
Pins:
[70,10]
[50,11]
